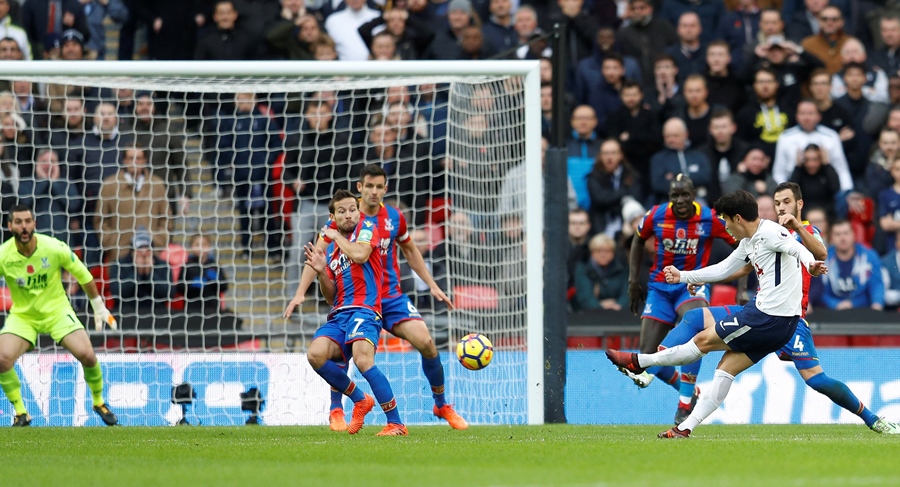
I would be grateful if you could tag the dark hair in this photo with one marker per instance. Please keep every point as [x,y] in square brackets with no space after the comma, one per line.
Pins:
[614,56]
[736,203]
[794,187]
[719,43]
[808,100]
[854,65]
[628,84]
[682,179]
[664,57]
[819,72]
[696,77]
[372,171]
[839,221]
[19,207]
[340,195]
[766,70]
[721,112]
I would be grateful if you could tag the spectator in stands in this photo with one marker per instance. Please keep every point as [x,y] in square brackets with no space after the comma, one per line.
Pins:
[677,158]
[709,12]
[293,39]
[498,27]
[202,280]
[513,194]
[739,29]
[96,12]
[763,120]
[833,116]
[130,200]
[854,277]
[697,111]
[343,27]
[724,151]
[790,62]
[140,282]
[894,89]
[526,27]
[637,129]
[11,30]
[604,97]
[589,73]
[828,42]
[415,287]
[579,234]
[33,109]
[723,86]
[645,36]
[866,117]
[228,42]
[665,97]
[582,151]
[546,110]
[248,144]
[602,281]
[324,49]
[770,24]
[809,131]
[610,184]
[67,132]
[818,181]
[889,207]
[17,142]
[765,204]
[123,99]
[806,22]
[41,18]
[53,198]
[876,87]
[172,29]
[102,147]
[418,175]
[446,43]
[878,172]
[411,37]
[472,46]
[72,46]
[581,31]
[689,52]
[890,274]
[887,57]
[10,50]
[464,247]
[752,175]
[383,47]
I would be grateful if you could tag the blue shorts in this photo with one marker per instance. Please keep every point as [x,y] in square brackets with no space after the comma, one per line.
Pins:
[350,325]
[754,333]
[800,349]
[663,300]
[396,310]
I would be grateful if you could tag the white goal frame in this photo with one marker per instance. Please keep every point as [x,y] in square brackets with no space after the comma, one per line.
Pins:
[529,70]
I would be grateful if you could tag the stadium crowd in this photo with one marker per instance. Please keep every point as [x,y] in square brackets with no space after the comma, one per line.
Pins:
[741,94]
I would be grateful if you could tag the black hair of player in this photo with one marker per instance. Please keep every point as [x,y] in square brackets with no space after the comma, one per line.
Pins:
[736,203]
[372,171]
[794,187]
[18,208]
[341,195]
[682,180]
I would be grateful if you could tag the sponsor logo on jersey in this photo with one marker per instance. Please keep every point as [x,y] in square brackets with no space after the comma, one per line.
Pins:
[20,281]
[681,246]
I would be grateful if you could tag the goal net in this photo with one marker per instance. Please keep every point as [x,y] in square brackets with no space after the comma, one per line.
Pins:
[189,190]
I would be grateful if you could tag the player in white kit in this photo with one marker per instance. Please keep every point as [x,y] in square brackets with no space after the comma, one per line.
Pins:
[761,327]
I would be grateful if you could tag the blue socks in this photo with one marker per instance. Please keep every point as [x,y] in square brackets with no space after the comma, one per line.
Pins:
[838,392]
[690,325]
[434,372]
[383,394]
[337,397]
[338,380]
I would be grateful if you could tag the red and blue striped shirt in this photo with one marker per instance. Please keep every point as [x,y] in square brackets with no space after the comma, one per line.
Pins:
[356,285]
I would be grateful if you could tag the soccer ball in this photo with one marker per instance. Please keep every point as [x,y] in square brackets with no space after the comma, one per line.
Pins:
[474,351]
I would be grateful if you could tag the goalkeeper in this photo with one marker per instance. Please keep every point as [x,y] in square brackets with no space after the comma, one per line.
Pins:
[31,262]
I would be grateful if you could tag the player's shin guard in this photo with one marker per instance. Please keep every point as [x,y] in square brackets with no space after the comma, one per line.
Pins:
[383,394]
[434,372]
[337,378]
[337,397]
[678,355]
[94,378]
[711,401]
[9,381]
[838,392]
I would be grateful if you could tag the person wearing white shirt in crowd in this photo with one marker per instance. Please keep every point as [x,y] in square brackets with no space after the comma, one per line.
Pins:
[13,31]
[808,131]
[876,88]
[343,27]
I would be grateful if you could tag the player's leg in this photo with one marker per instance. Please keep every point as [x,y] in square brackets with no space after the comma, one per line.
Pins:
[324,355]
[362,335]
[704,342]
[657,320]
[12,347]
[687,391]
[79,345]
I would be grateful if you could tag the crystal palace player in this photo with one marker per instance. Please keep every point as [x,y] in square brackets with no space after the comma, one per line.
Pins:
[400,316]
[684,231]
[31,264]
[800,349]
[350,279]
[761,327]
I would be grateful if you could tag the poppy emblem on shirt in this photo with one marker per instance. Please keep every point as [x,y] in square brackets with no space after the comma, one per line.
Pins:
[30,269]
[680,233]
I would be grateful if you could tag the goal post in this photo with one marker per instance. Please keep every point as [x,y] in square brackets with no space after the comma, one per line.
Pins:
[469,177]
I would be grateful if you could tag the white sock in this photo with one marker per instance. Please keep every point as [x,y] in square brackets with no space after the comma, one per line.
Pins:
[677,355]
[710,401]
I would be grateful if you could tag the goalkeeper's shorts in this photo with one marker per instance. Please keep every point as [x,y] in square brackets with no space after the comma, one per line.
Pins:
[58,327]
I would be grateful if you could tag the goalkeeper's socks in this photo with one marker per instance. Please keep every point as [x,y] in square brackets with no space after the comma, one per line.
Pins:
[337,379]
[94,378]
[838,392]
[337,397]
[383,394]
[667,374]
[434,372]
[9,381]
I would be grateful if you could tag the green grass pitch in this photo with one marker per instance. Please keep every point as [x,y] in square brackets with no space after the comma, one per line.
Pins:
[558,455]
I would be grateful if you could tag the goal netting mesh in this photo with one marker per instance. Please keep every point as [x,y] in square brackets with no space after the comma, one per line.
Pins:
[224,179]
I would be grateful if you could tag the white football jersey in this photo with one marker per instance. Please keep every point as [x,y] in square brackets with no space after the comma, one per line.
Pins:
[776,257]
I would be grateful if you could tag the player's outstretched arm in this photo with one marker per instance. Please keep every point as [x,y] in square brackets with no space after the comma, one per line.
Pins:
[101,314]
[315,259]
[307,276]
[358,251]
[417,264]
[635,258]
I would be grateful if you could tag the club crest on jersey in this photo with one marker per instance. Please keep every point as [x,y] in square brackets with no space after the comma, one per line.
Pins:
[389,224]
[699,230]
[30,269]
[45,262]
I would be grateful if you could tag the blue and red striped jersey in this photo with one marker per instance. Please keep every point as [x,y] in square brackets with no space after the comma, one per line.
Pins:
[804,302]
[392,228]
[685,244]
[356,285]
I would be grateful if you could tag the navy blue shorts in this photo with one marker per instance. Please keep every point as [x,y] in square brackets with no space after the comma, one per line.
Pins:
[754,333]
[397,310]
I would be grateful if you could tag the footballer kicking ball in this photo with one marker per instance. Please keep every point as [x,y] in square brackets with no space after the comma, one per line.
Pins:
[475,351]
